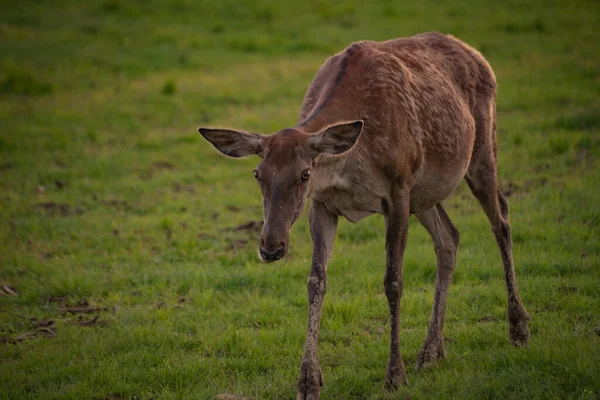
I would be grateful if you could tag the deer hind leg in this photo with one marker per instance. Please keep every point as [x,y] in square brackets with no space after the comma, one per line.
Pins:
[483,182]
[445,240]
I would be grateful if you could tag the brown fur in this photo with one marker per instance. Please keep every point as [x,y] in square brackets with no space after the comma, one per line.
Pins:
[428,107]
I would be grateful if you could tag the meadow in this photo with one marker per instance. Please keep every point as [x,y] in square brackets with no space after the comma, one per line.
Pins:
[128,266]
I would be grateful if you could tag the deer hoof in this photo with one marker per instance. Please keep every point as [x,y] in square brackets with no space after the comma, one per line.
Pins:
[429,355]
[395,376]
[519,333]
[310,382]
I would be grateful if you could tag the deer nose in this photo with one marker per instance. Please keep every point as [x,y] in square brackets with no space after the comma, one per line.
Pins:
[266,255]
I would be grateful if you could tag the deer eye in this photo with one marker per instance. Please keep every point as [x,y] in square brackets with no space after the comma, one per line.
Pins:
[305,175]
[256,175]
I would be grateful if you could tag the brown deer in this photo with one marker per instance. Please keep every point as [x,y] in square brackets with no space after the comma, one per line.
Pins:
[390,128]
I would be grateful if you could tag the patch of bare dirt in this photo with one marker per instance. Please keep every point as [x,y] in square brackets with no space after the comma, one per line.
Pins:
[81,321]
[227,396]
[180,303]
[61,209]
[82,307]
[44,323]
[508,188]
[121,204]
[45,328]
[159,305]
[60,185]
[53,208]
[237,244]
[58,299]
[163,165]
[115,397]
[178,188]
[251,226]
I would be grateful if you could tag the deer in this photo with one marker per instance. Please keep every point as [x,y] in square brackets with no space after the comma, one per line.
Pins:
[388,128]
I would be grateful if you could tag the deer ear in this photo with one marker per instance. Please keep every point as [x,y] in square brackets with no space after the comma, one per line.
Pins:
[336,139]
[234,143]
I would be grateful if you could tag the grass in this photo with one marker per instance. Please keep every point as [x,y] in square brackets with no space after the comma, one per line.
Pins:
[109,200]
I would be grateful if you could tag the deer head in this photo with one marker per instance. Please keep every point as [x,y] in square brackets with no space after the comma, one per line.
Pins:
[284,173]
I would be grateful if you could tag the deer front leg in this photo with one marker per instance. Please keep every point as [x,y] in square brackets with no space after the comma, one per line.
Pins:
[396,233]
[322,228]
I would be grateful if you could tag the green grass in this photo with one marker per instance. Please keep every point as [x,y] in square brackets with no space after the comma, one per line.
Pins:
[107,193]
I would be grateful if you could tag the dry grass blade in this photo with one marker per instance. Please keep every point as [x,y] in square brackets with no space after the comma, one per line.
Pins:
[6,290]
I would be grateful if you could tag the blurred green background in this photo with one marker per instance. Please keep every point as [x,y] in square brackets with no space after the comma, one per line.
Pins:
[128,265]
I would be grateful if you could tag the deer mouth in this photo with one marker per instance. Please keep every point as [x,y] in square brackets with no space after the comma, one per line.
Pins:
[268,255]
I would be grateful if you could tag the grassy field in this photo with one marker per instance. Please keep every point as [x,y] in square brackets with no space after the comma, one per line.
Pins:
[128,264]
